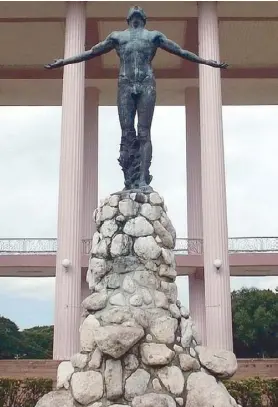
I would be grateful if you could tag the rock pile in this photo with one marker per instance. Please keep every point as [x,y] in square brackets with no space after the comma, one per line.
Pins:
[138,344]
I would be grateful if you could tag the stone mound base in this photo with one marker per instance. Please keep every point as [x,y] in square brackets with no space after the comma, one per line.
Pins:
[138,345]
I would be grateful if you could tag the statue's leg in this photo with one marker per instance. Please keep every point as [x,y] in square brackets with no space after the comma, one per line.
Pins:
[145,109]
[126,110]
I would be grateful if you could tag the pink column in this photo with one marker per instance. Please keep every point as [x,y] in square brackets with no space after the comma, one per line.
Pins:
[85,292]
[90,175]
[194,205]
[68,282]
[215,231]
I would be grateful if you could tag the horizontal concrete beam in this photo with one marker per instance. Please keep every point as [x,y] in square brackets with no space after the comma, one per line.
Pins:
[24,368]
[43,265]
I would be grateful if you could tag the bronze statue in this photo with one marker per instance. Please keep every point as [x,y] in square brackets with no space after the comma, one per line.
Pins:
[136,48]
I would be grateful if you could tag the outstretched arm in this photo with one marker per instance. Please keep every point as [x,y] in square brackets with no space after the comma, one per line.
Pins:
[99,49]
[173,48]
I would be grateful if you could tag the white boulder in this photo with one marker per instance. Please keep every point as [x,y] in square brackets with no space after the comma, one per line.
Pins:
[156,354]
[172,378]
[87,387]
[87,331]
[221,363]
[64,372]
[120,245]
[136,384]
[58,398]
[113,379]
[163,329]
[138,227]
[147,248]
[116,340]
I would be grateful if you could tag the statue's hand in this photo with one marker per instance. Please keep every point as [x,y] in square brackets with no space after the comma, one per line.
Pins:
[56,64]
[216,64]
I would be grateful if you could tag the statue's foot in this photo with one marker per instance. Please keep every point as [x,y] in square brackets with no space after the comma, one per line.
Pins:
[144,187]
[127,186]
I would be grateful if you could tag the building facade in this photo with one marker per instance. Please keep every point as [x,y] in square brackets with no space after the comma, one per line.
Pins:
[215,30]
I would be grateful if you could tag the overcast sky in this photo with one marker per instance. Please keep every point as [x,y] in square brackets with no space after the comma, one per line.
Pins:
[29,168]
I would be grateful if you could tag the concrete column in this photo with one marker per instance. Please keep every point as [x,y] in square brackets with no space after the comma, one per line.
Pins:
[194,206]
[85,292]
[90,175]
[196,286]
[68,283]
[215,230]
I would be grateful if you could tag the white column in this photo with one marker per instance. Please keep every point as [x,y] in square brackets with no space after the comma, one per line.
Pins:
[85,291]
[90,202]
[194,206]
[215,230]
[68,283]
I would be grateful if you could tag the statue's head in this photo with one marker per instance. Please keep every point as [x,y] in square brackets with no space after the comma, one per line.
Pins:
[136,17]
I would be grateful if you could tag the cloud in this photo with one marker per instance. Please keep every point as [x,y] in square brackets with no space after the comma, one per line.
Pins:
[262,283]
[29,145]
[28,301]
[251,164]
[32,288]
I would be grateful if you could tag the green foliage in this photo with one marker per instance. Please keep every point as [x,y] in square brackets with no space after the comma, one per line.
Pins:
[23,393]
[254,392]
[255,330]
[38,342]
[248,393]
[255,323]
[32,343]
[10,339]
[271,392]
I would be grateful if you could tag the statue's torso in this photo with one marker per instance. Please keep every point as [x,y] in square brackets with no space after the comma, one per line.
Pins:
[136,49]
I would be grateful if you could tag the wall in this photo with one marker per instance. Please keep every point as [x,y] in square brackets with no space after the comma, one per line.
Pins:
[47,368]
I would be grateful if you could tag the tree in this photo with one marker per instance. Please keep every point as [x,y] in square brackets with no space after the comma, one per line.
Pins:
[38,342]
[32,343]
[10,339]
[255,329]
[255,323]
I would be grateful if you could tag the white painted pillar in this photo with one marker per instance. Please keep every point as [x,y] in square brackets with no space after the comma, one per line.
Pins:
[194,206]
[215,230]
[68,283]
[90,176]
[85,291]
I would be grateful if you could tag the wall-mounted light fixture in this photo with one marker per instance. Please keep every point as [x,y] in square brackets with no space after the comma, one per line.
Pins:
[66,264]
[217,264]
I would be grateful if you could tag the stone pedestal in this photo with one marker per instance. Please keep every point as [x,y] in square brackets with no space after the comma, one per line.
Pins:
[138,344]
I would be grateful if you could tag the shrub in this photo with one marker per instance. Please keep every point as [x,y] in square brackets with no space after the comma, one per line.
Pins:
[23,393]
[254,392]
[271,392]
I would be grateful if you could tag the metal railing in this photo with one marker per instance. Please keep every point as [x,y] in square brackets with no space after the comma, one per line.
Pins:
[183,246]
[28,246]
[253,245]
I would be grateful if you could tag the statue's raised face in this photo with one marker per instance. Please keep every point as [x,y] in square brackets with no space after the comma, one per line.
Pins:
[136,17]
